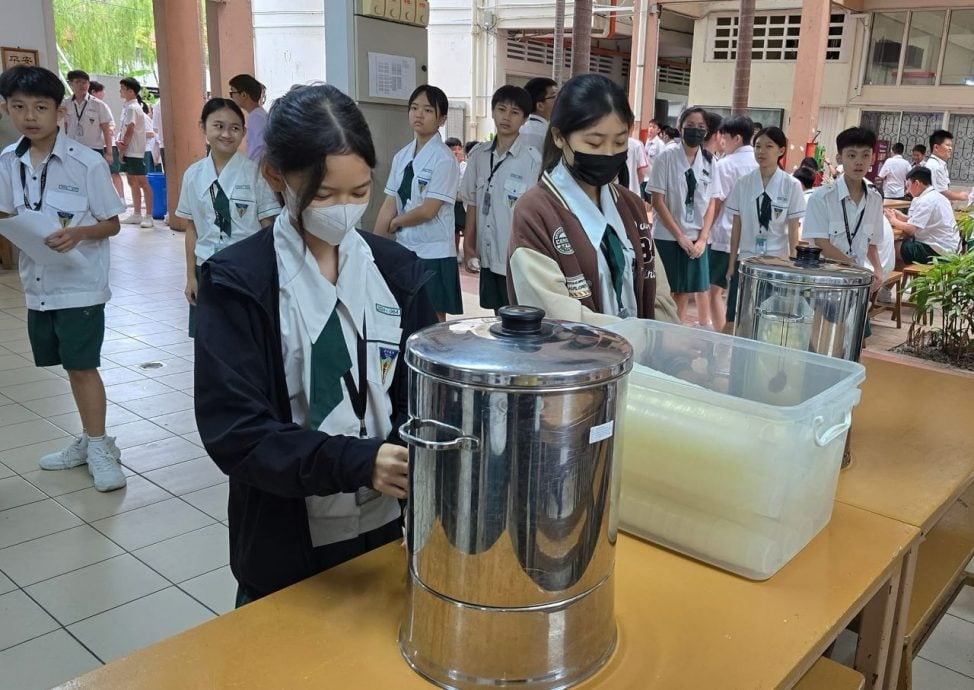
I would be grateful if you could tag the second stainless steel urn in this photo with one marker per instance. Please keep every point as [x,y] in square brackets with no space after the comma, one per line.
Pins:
[511,520]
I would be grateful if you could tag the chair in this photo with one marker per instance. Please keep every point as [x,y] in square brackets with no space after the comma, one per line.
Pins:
[910,272]
[893,280]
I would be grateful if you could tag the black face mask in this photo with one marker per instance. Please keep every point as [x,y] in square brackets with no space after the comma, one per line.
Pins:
[596,169]
[693,136]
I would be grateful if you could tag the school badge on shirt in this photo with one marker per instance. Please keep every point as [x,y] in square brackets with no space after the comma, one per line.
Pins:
[241,208]
[387,355]
[64,218]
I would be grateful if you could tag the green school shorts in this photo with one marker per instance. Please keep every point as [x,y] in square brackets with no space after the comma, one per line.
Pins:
[133,166]
[493,290]
[116,167]
[69,337]
[719,261]
[443,287]
[914,252]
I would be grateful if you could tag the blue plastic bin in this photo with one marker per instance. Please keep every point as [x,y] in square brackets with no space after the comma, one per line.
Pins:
[159,202]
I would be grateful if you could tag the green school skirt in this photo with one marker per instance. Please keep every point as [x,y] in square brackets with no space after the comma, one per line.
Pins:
[444,287]
[685,274]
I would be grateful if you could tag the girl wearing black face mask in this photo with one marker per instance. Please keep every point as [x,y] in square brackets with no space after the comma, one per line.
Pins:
[684,183]
[580,244]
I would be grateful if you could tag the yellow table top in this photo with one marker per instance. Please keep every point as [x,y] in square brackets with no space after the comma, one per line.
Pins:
[912,455]
[681,624]
[895,203]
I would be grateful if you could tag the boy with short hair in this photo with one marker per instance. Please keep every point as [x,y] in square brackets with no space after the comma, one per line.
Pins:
[69,183]
[845,218]
[542,92]
[88,120]
[97,90]
[930,229]
[497,175]
[941,149]
[131,142]
[248,93]
[918,154]
[893,173]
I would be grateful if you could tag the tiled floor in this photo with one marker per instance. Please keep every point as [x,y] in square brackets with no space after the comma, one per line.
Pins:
[87,577]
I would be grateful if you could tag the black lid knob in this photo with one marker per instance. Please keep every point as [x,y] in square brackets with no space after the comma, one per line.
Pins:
[808,255]
[517,320]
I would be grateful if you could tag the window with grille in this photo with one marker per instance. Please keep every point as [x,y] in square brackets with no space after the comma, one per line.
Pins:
[539,53]
[775,37]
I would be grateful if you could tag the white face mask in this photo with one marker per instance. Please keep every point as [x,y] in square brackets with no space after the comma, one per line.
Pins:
[328,223]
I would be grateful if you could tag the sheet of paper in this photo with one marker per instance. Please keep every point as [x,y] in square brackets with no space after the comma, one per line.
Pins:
[27,231]
[391,76]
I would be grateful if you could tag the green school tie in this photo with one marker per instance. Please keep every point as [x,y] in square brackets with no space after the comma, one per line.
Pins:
[406,186]
[221,208]
[764,211]
[329,362]
[691,186]
[611,246]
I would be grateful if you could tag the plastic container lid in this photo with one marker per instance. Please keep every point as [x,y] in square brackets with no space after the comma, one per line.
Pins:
[521,349]
[807,268]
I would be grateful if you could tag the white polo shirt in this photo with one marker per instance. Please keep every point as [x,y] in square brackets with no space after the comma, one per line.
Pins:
[251,201]
[653,148]
[77,191]
[823,219]
[534,131]
[933,217]
[514,173]
[132,114]
[669,177]
[635,159]
[787,203]
[939,173]
[730,169]
[256,122]
[893,174]
[435,176]
[157,124]
[83,121]
[366,308]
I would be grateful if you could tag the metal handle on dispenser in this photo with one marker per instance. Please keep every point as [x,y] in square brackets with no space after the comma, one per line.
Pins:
[409,430]
[826,437]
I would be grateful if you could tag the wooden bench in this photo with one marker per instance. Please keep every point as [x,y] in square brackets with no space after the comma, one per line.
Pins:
[911,271]
[893,280]
[831,675]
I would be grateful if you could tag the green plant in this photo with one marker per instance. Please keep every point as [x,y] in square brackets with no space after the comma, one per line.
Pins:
[965,225]
[106,37]
[948,286]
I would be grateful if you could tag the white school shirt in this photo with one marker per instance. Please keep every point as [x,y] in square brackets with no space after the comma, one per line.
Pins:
[517,171]
[78,191]
[593,222]
[157,124]
[730,169]
[435,175]
[938,172]
[654,147]
[933,217]
[256,122]
[669,177]
[132,114]
[534,131]
[893,174]
[82,122]
[787,203]
[635,159]
[823,219]
[363,300]
[251,201]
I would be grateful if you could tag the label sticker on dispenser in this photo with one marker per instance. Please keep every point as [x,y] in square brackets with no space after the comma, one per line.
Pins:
[600,432]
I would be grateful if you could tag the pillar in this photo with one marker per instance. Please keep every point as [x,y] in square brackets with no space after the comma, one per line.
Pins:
[230,41]
[643,63]
[179,48]
[806,93]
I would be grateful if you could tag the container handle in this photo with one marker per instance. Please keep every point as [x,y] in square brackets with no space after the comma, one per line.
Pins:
[826,437]
[412,427]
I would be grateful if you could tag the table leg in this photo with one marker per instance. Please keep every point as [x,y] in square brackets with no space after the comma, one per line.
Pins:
[897,654]
[875,631]
[6,254]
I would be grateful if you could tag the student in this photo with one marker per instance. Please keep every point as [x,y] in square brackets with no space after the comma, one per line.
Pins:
[845,219]
[248,93]
[893,174]
[150,140]
[131,143]
[69,183]
[930,229]
[632,172]
[767,205]
[714,142]
[88,120]
[223,198]
[736,134]
[543,93]
[497,176]
[672,137]
[300,384]
[459,210]
[918,153]
[580,246]
[941,148]
[654,147]
[97,90]
[421,193]
[757,128]
[158,143]
[684,185]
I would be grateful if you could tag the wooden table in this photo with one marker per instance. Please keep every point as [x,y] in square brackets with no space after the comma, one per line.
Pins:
[681,624]
[895,203]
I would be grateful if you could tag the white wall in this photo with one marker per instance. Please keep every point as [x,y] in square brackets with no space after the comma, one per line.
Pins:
[289,43]
[29,25]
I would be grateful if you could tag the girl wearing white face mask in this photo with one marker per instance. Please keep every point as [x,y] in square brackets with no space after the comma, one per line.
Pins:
[300,385]
[223,198]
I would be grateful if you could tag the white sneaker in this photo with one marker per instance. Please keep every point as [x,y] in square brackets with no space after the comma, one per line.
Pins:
[103,457]
[166,219]
[134,219]
[146,223]
[73,456]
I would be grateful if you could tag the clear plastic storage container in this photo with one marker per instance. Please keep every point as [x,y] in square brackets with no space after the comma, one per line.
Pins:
[731,447]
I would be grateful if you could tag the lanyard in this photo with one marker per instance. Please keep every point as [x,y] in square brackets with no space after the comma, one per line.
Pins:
[23,185]
[78,115]
[359,396]
[493,168]
[850,236]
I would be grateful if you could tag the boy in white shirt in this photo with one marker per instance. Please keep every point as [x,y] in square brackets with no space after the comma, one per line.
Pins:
[497,175]
[68,183]
[131,142]
[893,174]
[941,149]
[88,120]
[930,229]
[542,92]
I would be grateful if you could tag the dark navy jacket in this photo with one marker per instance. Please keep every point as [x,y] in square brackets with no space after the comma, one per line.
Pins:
[244,414]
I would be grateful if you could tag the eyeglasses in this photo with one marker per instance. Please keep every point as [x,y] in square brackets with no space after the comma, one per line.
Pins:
[234,93]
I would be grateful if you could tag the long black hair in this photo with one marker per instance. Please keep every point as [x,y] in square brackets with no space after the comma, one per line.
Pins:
[307,125]
[133,84]
[581,102]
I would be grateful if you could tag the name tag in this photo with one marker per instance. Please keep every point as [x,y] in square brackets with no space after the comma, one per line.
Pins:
[68,188]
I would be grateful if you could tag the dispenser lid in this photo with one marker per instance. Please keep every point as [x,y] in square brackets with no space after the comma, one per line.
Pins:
[809,268]
[521,349]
